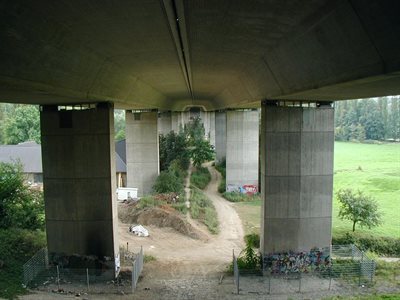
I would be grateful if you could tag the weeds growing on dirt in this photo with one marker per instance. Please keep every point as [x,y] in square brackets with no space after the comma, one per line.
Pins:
[239,197]
[200,177]
[203,209]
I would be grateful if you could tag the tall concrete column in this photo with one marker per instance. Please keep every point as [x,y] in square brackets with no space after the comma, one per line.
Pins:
[212,127]
[164,123]
[176,121]
[242,136]
[220,136]
[79,183]
[142,161]
[296,177]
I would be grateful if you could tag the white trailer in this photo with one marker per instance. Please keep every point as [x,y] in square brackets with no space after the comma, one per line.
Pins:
[127,193]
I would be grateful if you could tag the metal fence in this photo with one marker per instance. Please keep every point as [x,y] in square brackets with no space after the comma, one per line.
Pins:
[319,269]
[137,269]
[39,274]
[236,276]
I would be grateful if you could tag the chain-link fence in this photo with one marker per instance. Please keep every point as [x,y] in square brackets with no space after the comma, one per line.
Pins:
[83,278]
[316,270]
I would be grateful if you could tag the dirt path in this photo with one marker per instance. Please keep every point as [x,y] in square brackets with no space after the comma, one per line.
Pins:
[174,251]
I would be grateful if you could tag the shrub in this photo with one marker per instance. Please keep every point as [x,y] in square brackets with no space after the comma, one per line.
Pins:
[222,186]
[200,177]
[168,182]
[148,201]
[239,197]
[252,239]
[19,206]
[380,245]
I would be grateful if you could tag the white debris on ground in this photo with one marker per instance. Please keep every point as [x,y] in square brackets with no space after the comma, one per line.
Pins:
[139,230]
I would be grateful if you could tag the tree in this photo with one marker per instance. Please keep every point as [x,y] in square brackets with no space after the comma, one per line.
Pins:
[358,208]
[20,207]
[173,146]
[200,148]
[119,124]
[23,125]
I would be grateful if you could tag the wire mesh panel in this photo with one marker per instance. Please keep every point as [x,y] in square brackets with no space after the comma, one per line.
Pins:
[83,278]
[36,265]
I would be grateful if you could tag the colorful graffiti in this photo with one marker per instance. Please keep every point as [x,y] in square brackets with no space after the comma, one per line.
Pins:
[303,262]
[249,189]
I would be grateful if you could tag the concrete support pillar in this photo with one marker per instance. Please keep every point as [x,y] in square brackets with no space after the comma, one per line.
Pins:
[79,184]
[212,127]
[296,177]
[142,161]
[242,136]
[220,136]
[176,121]
[164,123]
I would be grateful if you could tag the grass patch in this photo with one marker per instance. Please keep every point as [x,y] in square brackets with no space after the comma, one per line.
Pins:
[387,272]
[201,208]
[200,177]
[17,246]
[239,197]
[367,297]
[148,258]
[374,169]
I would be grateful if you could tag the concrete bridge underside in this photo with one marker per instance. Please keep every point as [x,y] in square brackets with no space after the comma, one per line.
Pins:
[173,54]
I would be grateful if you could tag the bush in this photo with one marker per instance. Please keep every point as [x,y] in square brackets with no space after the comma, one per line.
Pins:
[200,177]
[380,245]
[252,239]
[148,201]
[16,247]
[20,207]
[168,182]
[239,197]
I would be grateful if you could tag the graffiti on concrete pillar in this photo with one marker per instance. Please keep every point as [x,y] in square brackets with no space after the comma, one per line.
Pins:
[302,262]
[249,189]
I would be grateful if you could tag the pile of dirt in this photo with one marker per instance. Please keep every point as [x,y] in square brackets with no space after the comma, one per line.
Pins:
[160,217]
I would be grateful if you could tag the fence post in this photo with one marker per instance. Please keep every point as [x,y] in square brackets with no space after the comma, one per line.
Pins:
[269,284]
[58,278]
[359,276]
[87,278]
[133,277]
[300,282]
[127,244]
[330,277]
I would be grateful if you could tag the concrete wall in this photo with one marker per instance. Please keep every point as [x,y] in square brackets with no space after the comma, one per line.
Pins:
[242,136]
[220,135]
[176,121]
[296,178]
[164,123]
[79,181]
[142,161]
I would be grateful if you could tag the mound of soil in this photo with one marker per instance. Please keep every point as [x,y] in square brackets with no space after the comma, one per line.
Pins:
[160,217]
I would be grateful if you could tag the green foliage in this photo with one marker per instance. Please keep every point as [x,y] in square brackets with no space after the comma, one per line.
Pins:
[149,258]
[387,272]
[200,148]
[239,197]
[358,208]
[119,124]
[371,119]
[200,177]
[167,182]
[248,260]
[148,201]
[202,208]
[19,206]
[221,168]
[201,152]
[22,125]
[173,147]
[386,246]
[252,239]
[16,247]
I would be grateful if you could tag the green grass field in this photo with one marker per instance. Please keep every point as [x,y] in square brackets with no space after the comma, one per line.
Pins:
[372,168]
